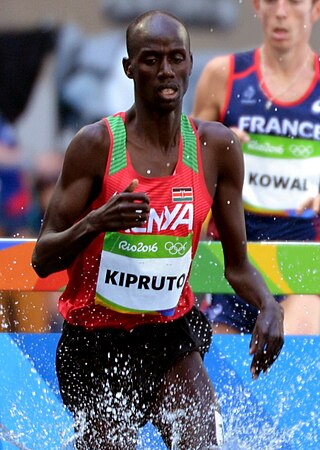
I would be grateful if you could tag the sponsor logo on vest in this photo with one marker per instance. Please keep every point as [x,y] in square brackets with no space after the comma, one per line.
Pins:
[156,283]
[315,108]
[265,180]
[280,127]
[248,95]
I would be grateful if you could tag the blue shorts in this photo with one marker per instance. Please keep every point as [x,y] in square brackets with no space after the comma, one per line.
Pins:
[273,228]
[231,310]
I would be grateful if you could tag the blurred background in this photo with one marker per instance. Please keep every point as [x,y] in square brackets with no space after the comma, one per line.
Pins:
[61,68]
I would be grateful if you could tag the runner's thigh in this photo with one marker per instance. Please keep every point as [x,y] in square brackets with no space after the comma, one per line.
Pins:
[186,413]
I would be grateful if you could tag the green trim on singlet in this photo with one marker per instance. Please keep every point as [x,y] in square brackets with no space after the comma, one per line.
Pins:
[189,156]
[119,153]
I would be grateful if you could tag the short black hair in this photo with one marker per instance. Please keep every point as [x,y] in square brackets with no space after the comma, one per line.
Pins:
[134,24]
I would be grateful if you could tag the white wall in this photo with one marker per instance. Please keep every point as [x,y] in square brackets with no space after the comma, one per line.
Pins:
[37,126]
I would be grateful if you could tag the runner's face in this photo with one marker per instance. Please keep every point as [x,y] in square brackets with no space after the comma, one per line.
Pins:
[286,23]
[161,63]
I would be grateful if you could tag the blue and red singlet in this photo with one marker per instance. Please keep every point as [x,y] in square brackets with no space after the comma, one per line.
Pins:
[282,159]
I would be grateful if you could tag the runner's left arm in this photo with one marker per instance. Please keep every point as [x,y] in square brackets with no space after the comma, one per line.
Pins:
[226,188]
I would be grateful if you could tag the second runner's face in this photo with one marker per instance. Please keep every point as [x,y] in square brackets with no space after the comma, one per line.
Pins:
[286,23]
[161,66]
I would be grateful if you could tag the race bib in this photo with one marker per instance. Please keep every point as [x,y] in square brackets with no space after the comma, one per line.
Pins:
[143,273]
[280,173]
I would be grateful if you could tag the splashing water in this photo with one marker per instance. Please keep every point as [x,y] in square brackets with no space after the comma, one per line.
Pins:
[276,412]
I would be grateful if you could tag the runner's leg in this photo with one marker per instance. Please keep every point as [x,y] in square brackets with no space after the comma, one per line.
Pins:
[187,415]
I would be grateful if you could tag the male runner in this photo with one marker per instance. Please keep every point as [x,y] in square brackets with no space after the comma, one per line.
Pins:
[125,219]
[270,97]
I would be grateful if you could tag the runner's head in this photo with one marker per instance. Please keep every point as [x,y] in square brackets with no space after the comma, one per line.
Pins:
[159,58]
[287,24]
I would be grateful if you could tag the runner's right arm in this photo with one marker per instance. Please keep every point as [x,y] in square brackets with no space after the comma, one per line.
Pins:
[67,228]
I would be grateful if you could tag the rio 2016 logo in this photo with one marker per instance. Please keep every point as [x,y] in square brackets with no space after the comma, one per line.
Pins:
[139,247]
[301,150]
[176,248]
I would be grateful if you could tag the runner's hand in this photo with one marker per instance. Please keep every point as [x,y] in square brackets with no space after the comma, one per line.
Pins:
[124,210]
[312,203]
[242,135]
[267,339]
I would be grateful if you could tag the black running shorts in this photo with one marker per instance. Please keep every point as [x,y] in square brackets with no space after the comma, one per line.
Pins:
[94,366]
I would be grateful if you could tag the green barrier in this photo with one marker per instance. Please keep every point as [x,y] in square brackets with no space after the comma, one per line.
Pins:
[288,268]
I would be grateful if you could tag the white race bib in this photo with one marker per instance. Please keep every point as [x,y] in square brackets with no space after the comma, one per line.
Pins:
[143,273]
[280,173]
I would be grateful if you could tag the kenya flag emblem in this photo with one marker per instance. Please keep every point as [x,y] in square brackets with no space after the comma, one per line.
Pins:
[182,194]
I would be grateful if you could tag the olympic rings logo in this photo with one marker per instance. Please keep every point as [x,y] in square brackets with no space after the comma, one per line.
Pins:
[301,151]
[176,248]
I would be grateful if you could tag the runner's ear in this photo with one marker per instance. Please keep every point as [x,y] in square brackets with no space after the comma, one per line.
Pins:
[191,67]
[256,6]
[315,14]
[127,67]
